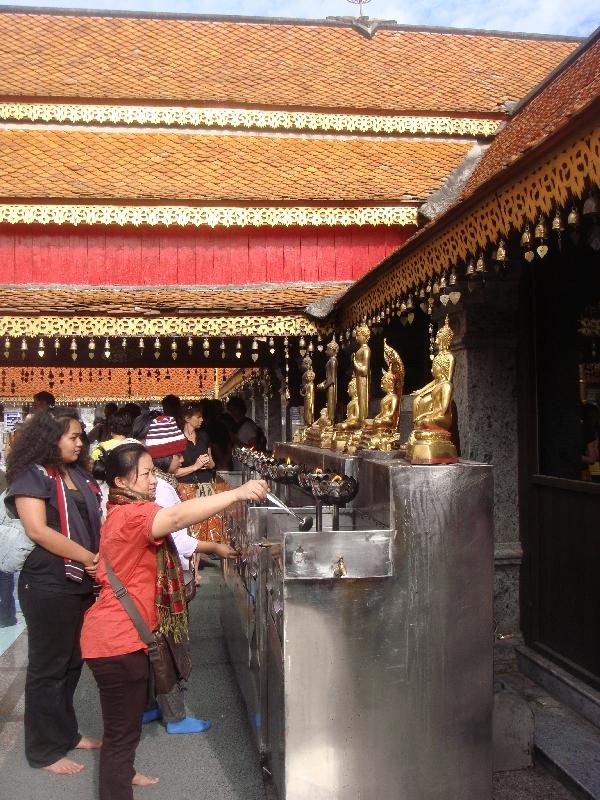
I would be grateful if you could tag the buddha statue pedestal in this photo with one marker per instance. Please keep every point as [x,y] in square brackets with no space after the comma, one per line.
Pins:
[384,439]
[431,446]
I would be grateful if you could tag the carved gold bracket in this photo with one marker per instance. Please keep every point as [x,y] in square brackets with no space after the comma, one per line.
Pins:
[236,118]
[549,184]
[47,214]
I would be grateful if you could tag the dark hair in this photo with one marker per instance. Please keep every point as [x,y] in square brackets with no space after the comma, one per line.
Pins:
[133,408]
[192,407]
[171,405]
[163,463]
[44,397]
[142,423]
[121,422]
[110,409]
[236,403]
[122,461]
[37,442]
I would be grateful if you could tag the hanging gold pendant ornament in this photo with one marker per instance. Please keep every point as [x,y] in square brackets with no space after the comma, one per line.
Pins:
[107,348]
[6,347]
[73,349]
[41,348]
[91,348]
[238,349]
[56,345]
[541,236]
[190,345]
[526,245]
[141,346]
[157,348]
[174,350]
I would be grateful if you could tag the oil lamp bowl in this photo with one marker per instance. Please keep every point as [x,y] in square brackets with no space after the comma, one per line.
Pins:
[306,478]
[282,472]
[335,492]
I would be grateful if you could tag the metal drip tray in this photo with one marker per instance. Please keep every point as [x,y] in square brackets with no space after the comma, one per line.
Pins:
[315,556]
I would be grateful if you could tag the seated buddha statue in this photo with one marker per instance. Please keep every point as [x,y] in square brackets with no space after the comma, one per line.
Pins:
[345,429]
[381,432]
[430,441]
[320,433]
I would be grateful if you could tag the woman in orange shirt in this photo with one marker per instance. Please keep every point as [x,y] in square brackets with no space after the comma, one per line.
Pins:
[131,538]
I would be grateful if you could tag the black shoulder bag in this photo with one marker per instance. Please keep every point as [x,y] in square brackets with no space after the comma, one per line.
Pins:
[159,652]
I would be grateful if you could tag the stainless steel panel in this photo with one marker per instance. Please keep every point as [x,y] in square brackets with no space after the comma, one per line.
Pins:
[377,684]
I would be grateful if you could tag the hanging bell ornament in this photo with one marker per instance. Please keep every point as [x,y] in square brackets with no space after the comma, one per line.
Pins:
[526,244]
[272,345]
[174,350]
[190,345]
[56,345]
[574,218]
[6,347]
[157,348]
[141,346]
[480,267]
[541,236]
[41,348]
[471,270]
[107,349]
[591,206]
[501,255]
[238,349]
[73,349]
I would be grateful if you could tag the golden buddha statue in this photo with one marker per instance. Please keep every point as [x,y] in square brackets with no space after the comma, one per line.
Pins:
[344,430]
[381,432]
[361,364]
[320,433]
[430,441]
[307,391]
[330,382]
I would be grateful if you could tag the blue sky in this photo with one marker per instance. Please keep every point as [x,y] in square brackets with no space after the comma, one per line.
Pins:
[570,17]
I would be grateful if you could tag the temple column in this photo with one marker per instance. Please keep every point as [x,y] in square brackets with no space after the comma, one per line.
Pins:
[485,381]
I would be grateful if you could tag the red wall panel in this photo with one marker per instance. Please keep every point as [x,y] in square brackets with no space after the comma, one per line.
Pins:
[169,257]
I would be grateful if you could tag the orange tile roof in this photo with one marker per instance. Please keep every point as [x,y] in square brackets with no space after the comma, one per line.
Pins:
[569,93]
[64,164]
[268,63]
[206,299]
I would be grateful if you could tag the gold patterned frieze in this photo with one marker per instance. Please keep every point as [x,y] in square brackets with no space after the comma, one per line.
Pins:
[227,216]
[252,119]
[550,184]
[113,326]
[589,327]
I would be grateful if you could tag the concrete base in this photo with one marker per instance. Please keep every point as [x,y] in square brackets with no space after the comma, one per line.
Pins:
[513,730]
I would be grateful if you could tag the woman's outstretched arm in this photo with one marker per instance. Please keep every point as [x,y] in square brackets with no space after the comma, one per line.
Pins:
[197,510]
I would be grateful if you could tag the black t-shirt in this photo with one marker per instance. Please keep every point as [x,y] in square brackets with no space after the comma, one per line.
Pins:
[192,451]
[42,569]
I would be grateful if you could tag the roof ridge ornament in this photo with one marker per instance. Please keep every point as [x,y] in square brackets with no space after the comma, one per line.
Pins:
[364,25]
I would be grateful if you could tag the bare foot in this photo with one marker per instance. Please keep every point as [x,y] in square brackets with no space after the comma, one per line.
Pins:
[144,780]
[64,766]
[88,744]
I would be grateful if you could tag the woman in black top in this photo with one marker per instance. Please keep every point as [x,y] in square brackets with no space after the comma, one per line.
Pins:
[58,504]
[196,475]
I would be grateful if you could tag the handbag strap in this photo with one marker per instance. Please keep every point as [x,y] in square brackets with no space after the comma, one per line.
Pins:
[129,605]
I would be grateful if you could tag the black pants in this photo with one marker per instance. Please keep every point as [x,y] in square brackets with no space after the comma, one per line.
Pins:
[53,629]
[123,685]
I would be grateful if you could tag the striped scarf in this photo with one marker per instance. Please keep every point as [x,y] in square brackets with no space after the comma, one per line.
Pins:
[74,570]
[170,588]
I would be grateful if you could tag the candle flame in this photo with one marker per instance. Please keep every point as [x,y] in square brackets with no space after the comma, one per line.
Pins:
[289,461]
[317,470]
[337,478]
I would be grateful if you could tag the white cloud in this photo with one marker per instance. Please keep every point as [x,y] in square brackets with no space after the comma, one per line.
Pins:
[578,18]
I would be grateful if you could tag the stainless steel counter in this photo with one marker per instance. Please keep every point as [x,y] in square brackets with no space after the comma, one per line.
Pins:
[376,685]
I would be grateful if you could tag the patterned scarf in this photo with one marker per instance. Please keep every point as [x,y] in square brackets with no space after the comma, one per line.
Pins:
[170,589]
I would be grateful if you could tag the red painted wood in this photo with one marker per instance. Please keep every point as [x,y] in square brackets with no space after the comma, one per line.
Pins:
[99,256]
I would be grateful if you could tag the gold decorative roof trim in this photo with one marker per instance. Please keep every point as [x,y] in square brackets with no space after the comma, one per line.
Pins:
[551,183]
[182,117]
[228,216]
[113,326]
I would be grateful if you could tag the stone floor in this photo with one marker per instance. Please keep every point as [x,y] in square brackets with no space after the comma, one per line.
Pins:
[220,764]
